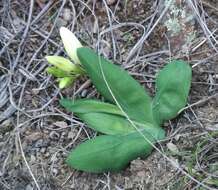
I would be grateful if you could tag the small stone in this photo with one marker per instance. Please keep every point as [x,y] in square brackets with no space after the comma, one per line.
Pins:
[32,159]
[31,137]
[67,14]
[63,134]
[54,135]
[43,150]
[29,187]
[111,2]
[35,91]
[61,22]
[63,170]
[177,137]
[71,135]
[84,93]
[137,165]
[55,171]
[41,143]
[6,126]
[141,174]
[47,154]
[61,124]
[174,162]
[172,147]
[6,123]
[54,158]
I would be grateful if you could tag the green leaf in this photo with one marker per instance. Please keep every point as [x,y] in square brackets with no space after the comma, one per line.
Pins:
[112,152]
[57,72]
[87,106]
[65,65]
[102,117]
[173,85]
[66,82]
[61,63]
[130,95]
[107,123]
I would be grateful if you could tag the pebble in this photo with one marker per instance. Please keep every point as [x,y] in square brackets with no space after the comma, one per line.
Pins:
[47,154]
[71,135]
[67,14]
[54,135]
[41,143]
[141,174]
[63,134]
[55,171]
[43,150]
[29,187]
[61,22]
[60,124]
[6,126]
[172,147]
[137,165]
[33,136]
[84,93]
[111,2]
[32,158]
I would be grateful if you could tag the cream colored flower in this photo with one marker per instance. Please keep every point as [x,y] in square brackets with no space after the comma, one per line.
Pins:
[71,44]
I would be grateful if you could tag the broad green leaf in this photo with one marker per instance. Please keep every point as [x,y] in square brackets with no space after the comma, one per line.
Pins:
[107,123]
[111,124]
[172,85]
[130,95]
[102,117]
[112,152]
[86,106]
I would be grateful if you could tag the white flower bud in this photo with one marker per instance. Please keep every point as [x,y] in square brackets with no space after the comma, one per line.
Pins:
[71,44]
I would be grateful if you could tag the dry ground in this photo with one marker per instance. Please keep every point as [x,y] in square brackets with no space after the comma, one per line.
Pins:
[36,133]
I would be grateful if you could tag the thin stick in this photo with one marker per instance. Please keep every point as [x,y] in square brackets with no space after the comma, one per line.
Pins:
[199,102]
